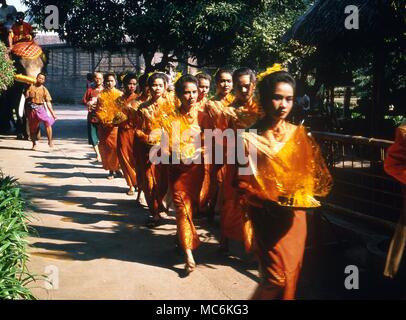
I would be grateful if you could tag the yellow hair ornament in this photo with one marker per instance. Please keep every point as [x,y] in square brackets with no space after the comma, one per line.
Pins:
[151,73]
[275,67]
[177,77]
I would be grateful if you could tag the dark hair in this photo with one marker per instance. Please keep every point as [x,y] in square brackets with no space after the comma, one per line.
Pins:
[128,77]
[157,75]
[180,84]
[143,81]
[244,72]
[219,72]
[266,87]
[109,74]
[203,76]
[89,76]
[41,74]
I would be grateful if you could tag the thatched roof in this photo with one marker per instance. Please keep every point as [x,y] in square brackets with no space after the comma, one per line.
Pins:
[324,22]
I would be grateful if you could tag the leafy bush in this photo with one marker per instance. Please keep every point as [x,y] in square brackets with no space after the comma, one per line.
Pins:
[6,69]
[13,244]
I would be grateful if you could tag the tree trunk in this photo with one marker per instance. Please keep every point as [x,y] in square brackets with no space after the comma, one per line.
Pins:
[148,61]
[377,111]
[347,101]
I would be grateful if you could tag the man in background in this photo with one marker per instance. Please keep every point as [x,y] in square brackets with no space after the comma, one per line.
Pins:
[7,18]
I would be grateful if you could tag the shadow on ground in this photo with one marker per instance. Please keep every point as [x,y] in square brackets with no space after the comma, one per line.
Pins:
[128,240]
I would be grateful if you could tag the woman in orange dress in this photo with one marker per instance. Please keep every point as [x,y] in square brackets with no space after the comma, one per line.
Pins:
[107,130]
[287,171]
[204,87]
[242,113]
[126,132]
[186,176]
[210,197]
[224,86]
[154,177]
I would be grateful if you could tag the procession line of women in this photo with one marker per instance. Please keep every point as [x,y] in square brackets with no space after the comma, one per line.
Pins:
[265,209]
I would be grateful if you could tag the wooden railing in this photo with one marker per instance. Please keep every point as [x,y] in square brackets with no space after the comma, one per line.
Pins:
[361,188]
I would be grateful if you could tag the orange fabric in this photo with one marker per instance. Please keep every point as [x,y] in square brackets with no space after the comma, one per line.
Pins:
[108,147]
[185,182]
[227,113]
[231,210]
[152,178]
[106,131]
[289,169]
[27,49]
[233,225]
[225,101]
[213,175]
[243,116]
[395,162]
[279,231]
[141,152]
[155,186]
[141,148]
[125,141]
[280,237]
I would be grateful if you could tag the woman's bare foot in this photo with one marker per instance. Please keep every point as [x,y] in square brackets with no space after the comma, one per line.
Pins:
[34,146]
[190,264]
[131,191]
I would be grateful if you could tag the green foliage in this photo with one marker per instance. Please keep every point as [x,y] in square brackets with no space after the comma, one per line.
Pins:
[90,24]
[13,244]
[259,44]
[6,69]
[217,33]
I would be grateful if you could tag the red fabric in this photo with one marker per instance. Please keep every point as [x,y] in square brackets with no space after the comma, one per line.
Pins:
[395,162]
[21,31]
[28,49]
[89,94]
